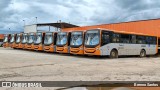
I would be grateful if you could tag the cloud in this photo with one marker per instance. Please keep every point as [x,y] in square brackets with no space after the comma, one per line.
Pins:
[79,12]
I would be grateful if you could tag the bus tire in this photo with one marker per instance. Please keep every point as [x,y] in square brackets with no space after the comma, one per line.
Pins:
[114,54]
[143,53]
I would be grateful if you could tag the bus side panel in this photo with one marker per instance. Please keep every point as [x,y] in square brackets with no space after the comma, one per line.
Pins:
[128,49]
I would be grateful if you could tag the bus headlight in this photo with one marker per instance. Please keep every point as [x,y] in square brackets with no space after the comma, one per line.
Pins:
[81,48]
[97,48]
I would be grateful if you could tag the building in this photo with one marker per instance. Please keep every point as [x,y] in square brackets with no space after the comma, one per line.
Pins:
[1,36]
[47,27]
[150,27]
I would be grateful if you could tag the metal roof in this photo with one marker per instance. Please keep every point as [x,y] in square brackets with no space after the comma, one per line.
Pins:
[58,25]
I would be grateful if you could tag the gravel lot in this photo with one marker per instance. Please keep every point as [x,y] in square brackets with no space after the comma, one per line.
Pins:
[23,65]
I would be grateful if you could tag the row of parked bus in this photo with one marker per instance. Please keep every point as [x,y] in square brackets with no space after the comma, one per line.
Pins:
[99,42]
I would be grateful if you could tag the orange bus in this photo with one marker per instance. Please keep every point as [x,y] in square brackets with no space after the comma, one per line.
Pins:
[39,41]
[77,42]
[18,41]
[112,43]
[12,41]
[6,40]
[30,42]
[24,40]
[63,42]
[50,41]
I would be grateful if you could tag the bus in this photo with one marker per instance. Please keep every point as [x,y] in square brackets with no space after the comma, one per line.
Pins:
[6,40]
[50,41]
[30,42]
[12,41]
[18,41]
[39,41]
[24,41]
[112,43]
[77,42]
[63,42]
[1,40]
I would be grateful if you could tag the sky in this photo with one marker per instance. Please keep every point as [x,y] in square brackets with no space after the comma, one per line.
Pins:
[78,12]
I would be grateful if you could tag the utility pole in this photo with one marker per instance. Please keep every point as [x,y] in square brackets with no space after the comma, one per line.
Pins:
[36,20]
[10,30]
[24,22]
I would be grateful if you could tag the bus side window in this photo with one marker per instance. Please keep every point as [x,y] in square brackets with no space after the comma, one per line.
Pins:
[115,38]
[154,40]
[133,39]
[125,38]
[141,40]
[148,40]
[1,40]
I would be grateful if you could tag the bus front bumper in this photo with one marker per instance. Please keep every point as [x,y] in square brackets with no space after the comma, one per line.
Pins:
[77,51]
[38,47]
[62,49]
[48,48]
[92,51]
[30,47]
[5,45]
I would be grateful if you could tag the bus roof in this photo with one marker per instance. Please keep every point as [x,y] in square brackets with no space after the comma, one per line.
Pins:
[149,27]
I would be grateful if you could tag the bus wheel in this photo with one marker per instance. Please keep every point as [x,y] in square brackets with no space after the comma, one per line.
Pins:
[114,54]
[143,53]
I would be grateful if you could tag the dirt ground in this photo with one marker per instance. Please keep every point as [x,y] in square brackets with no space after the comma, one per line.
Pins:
[23,65]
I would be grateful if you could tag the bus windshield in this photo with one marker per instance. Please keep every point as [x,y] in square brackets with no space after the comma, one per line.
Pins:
[38,38]
[48,39]
[18,38]
[31,38]
[12,38]
[5,38]
[24,38]
[61,38]
[76,39]
[92,38]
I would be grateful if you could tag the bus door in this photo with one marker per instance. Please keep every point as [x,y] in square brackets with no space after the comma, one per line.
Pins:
[124,44]
[133,49]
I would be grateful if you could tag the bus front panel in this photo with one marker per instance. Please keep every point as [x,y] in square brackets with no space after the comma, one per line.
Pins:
[18,41]
[92,42]
[12,41]
[38,42]
[50,42]
[30,43]
[62,44]
[76,43]
[6,41]
[24,41]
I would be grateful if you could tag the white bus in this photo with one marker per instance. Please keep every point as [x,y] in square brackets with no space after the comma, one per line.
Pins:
[116,43]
